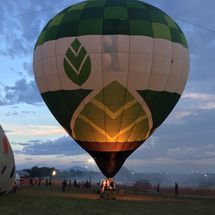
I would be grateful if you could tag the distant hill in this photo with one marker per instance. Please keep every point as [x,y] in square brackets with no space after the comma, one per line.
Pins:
[79,168]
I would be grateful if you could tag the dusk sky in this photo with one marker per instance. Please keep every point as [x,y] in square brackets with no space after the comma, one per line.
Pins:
[185,142]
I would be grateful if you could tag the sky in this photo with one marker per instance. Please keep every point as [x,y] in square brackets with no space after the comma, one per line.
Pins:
[184,143]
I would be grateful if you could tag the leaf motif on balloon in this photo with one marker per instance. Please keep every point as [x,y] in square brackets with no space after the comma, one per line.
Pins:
[77,63]
[113,115]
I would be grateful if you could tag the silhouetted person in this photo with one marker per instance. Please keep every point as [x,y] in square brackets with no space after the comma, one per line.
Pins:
[75,184]
[87,184]
[64,185]
[70,182]
[112,184]
[31,182]
[50,182]
[158,187]
[47,182]
[39,182]
[176,189]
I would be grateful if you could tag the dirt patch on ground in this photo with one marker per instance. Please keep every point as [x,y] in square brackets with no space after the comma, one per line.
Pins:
[125,197]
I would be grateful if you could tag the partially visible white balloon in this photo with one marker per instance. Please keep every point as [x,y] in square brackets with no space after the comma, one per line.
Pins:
[7,164]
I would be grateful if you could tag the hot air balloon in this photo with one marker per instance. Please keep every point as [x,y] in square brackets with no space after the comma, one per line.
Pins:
[111,71]
[7,164]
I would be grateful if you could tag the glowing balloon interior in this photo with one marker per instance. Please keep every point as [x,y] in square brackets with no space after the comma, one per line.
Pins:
[111,72]
[7,165]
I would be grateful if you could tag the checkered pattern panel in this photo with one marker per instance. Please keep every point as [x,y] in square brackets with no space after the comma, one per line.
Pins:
[125,17]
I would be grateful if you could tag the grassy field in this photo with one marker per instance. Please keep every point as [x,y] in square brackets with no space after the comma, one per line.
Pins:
[41,201]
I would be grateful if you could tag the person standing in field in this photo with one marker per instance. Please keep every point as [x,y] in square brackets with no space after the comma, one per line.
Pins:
[64,185]
[47,182]
[39,182]
[158,187]
[176,188]
[31,183]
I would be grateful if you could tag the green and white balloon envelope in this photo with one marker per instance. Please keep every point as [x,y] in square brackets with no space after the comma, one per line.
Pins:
[111,71]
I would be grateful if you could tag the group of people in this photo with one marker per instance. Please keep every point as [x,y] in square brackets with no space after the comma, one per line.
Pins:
[176,188]
[38,182]
[68,183]
[108,184]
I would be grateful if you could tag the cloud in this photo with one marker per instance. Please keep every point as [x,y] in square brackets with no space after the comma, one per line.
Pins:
[173,147]
[21,92]
[179,115]
[191,104]
[60,162]
[34,131]
[26,21]
[28,67]
[170,165]
[181,145]
[199,96]
[60,146]
[16,113]
[200,101]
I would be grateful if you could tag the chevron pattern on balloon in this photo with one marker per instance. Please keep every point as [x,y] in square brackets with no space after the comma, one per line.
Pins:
[122,120]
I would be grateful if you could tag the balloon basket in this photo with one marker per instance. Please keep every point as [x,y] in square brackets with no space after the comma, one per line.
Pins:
[108,194]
